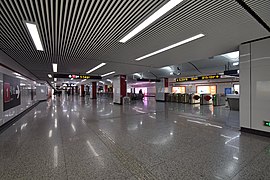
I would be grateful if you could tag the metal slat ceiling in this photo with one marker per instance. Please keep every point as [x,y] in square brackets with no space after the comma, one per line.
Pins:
[79,35]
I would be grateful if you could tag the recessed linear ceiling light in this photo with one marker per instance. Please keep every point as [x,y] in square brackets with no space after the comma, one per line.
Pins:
[32,28]
[107,74]
[109,80]
[232,55]
[54,67]
[171,46]
[49,75]
[95,68]
[55,79]
[235,63]
[163,10]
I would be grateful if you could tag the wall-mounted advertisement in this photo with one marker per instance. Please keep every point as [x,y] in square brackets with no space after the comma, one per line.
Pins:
[11,92]
[181,89]
[206,89]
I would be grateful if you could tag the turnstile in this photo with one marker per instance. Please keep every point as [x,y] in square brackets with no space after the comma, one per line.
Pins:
[178,97]
[219,99]
[174,97]
[185,98]
[194,98]
[206,99]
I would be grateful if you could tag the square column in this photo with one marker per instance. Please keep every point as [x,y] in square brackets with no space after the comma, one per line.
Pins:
[161,89]
[82,93]
[93,90]
[119,89]
[105,88]
[255,86]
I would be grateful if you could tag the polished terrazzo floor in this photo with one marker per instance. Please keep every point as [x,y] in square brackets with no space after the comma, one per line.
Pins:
[79,138]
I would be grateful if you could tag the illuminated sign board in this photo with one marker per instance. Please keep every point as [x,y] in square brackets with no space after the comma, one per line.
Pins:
[75,76]
[266,123]
[148,80]
[198,78]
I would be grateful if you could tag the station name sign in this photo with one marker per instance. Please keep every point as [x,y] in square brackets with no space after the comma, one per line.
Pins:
[198,78]
[75,76]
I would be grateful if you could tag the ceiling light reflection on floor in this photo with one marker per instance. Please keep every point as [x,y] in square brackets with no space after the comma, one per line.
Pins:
[206,124]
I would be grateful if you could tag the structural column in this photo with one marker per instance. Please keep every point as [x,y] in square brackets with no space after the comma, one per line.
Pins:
[105,88]
[119,89]
[162,89]
[93,90]
[82,93]
[255,86]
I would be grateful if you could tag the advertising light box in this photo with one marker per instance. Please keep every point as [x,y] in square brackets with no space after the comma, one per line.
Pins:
[11,92]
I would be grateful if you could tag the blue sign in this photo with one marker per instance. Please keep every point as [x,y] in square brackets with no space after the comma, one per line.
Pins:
[228,91]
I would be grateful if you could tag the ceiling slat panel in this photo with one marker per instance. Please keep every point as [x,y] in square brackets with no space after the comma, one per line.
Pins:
[79,34]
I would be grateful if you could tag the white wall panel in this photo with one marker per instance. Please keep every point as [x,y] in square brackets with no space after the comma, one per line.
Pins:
[28,95]
[260,83]
[116,90]
[160,90]
[245,85]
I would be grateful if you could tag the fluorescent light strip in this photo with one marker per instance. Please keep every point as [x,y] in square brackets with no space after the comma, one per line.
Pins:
[54,67]
[171,46]
[235,63]
[95,68]
[163,10]
[107,74]
[32,28]
[109,80]
[55,79]
[49,75]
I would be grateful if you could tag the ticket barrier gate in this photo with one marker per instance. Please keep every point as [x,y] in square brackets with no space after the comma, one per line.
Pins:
[185,98]
[219,99]
[178,97]
[194,99]
[206,99]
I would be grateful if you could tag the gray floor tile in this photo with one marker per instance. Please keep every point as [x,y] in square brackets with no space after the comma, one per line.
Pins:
[141,141]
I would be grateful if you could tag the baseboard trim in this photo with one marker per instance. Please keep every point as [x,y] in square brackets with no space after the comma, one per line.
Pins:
[6,125]
[117,103]
[254,131]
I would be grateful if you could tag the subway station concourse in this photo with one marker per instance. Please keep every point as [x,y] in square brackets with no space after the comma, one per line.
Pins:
[135,89]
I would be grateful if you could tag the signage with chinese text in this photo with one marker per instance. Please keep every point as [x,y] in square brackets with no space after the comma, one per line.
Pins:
[75,76]
[198,78]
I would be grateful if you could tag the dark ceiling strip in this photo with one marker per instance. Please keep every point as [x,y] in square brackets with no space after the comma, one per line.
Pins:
[254,40]
[19,64]
[195,67]
[153,74]
[253,14]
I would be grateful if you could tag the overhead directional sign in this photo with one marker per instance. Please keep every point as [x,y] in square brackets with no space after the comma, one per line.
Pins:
[198,78]
[76,76]
[148,80]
